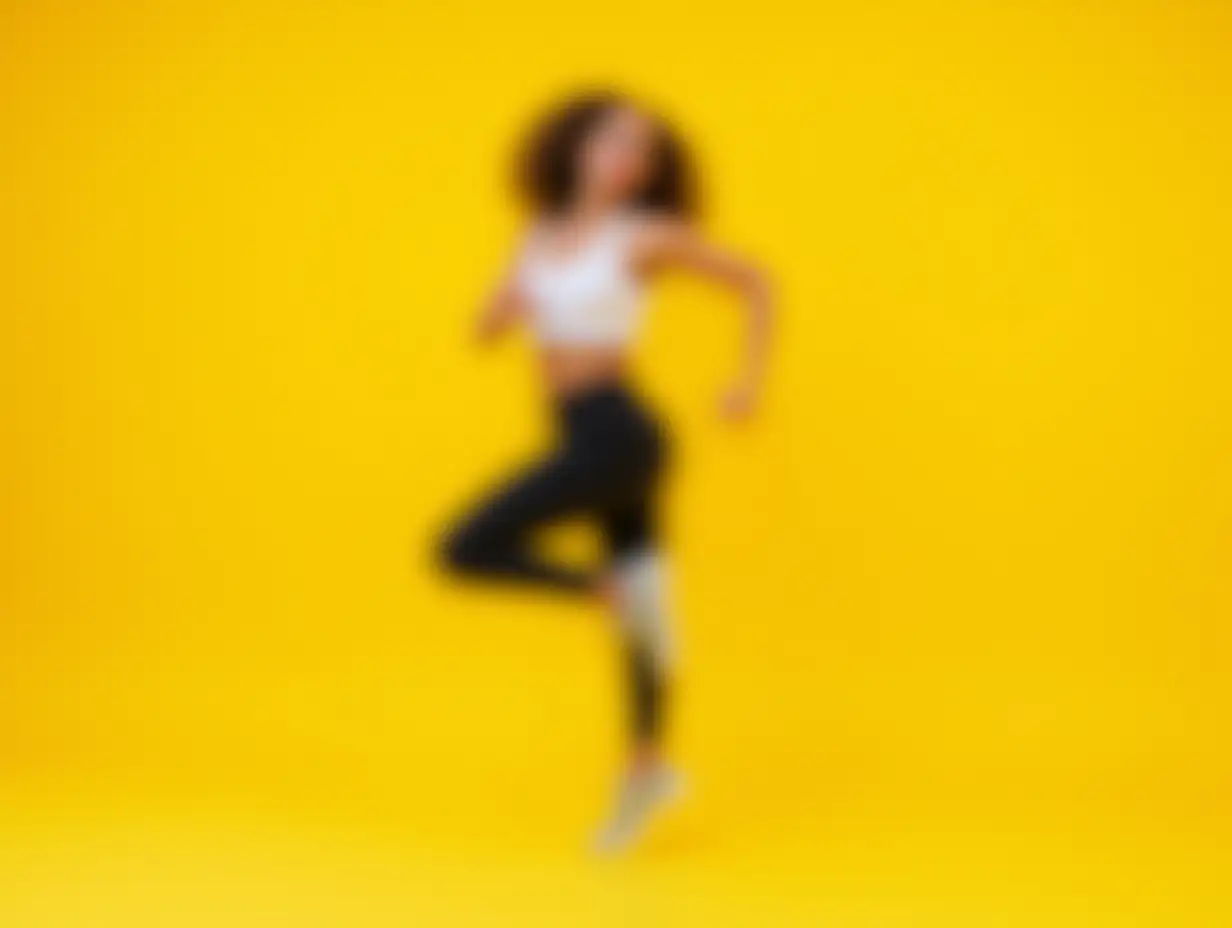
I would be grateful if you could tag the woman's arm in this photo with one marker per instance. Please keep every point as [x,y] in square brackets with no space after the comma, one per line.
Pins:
[670,243]
[500,312]
[506,306]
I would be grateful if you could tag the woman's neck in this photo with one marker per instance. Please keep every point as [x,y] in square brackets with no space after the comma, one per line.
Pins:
[589,210]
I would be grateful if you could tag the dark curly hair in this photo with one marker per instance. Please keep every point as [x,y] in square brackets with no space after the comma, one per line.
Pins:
[546,165]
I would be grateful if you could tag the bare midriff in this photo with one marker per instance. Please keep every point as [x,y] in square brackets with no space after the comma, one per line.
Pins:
[572,370]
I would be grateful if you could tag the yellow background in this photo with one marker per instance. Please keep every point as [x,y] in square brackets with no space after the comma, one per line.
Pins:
[956,607]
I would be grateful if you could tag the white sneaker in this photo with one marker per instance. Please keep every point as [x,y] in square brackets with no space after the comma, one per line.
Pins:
[642,604]
[642,794]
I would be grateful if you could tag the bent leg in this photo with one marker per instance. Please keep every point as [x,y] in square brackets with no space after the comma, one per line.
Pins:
[494,541]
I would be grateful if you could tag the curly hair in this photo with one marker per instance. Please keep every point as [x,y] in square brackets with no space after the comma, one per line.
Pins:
[546,167]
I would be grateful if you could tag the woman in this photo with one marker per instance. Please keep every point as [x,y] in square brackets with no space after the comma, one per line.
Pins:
[611,194]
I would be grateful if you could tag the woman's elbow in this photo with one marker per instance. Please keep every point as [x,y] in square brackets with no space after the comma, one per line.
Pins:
[758,290]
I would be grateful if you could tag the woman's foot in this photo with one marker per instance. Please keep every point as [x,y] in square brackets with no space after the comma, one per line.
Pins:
[646,790]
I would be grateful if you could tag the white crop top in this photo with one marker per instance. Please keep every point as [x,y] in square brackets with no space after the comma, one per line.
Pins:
[588,298]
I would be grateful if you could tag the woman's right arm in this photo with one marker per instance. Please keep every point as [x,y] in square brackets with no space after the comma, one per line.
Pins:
[501,312]
[506,305]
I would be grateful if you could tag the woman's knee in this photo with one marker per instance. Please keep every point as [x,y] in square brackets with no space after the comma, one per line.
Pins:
[463,549]
[454,551]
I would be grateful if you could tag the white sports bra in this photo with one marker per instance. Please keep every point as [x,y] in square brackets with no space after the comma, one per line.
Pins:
[588,298]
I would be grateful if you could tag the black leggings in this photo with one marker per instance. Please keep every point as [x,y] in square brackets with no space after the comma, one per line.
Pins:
[607,467]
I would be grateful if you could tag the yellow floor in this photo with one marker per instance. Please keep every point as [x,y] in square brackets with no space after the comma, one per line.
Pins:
[126,856]
[341,795]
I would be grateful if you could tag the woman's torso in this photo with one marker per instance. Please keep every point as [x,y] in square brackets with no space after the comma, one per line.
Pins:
[584,303]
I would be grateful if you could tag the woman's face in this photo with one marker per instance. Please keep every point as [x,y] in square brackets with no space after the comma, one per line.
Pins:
[617,156]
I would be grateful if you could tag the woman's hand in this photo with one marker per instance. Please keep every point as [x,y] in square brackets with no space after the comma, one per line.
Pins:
[669,243]
[739,401]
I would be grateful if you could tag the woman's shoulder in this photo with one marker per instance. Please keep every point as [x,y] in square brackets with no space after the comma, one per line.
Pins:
[531,237]
[643,219]
[648,230]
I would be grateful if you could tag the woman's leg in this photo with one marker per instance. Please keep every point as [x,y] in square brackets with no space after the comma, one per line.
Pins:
[648,693]
[495,542]
[649,783]
[629,530]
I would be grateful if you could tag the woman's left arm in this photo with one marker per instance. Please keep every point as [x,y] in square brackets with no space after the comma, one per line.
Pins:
[674,244]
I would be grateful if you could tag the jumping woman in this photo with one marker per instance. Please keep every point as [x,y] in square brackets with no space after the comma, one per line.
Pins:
[611,196]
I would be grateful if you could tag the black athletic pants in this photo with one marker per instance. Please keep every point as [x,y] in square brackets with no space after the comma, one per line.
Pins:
[607,467]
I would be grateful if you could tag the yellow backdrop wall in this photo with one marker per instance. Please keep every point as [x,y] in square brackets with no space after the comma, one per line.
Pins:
[956,606]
